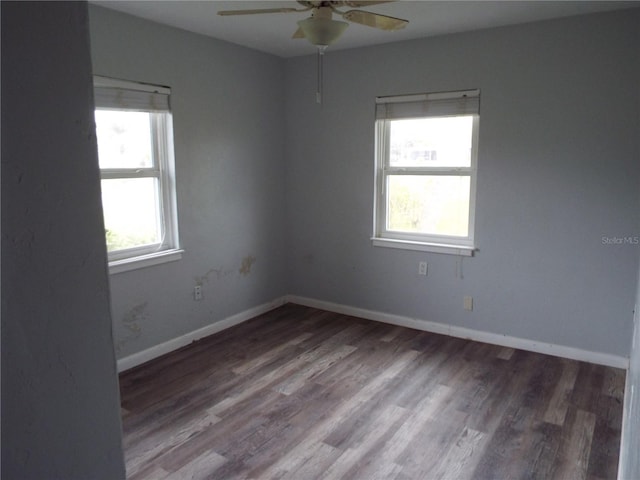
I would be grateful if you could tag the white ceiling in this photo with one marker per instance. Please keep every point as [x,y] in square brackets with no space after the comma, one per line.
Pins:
[271,32]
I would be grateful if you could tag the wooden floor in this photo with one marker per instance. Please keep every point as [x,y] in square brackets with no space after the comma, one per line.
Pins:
[301,394]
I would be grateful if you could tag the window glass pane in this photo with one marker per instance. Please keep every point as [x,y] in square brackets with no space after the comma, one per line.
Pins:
[124,139]
[431,142]
[428,204]
[131,215]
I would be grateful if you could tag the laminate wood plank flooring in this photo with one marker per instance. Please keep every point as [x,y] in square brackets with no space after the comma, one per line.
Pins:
[300,393]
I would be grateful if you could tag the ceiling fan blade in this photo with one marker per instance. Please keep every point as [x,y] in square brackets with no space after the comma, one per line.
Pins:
[298,34]
[361,3]
[375,20]
[260,10]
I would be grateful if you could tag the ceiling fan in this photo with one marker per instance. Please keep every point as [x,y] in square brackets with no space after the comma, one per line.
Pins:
[320,28]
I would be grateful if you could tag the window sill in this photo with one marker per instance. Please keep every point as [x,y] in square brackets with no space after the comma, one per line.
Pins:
[142,261]
[459,250]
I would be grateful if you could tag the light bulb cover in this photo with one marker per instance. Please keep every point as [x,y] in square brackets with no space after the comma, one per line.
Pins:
[322,31]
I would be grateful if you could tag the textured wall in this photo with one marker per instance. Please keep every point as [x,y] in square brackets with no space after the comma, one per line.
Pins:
[228,118]
[60,402]
[558,171]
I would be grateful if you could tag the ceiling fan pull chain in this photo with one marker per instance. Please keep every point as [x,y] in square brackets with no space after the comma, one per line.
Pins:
[320,74]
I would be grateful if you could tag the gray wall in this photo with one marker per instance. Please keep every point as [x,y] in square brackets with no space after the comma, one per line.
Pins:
[228,116]
[558,170]
[60,403]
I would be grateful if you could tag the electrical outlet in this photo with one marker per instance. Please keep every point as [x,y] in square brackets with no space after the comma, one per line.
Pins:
[422,268]
[468,303]
[197,292]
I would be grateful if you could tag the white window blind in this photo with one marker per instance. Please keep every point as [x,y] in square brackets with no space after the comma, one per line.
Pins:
[136,97]
[428,105]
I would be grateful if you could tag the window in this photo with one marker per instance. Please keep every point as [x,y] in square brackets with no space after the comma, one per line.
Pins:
[135,152]
[426,152]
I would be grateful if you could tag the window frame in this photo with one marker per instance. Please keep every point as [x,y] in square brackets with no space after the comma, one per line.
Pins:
[438,105]
[113,94]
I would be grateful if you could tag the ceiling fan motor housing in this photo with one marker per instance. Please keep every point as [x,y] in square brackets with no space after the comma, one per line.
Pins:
[320,29]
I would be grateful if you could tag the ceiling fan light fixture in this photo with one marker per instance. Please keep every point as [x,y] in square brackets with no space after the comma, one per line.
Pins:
[322,32]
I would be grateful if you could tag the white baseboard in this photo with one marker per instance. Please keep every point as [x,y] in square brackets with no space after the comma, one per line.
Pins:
[461,332]
[149,354]
[424,325]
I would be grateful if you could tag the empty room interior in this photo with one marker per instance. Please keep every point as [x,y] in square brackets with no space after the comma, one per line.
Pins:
[290,316]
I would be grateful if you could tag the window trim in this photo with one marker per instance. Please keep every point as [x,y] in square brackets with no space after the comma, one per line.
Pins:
[122,95]
[436,105]
[143,261]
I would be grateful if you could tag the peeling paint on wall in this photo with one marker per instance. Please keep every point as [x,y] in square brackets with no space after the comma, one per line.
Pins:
[219,273]
[130,323]
[247,263]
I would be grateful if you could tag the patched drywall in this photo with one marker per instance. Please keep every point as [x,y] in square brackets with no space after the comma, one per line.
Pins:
[247,263]
[132,322]
[212,273]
